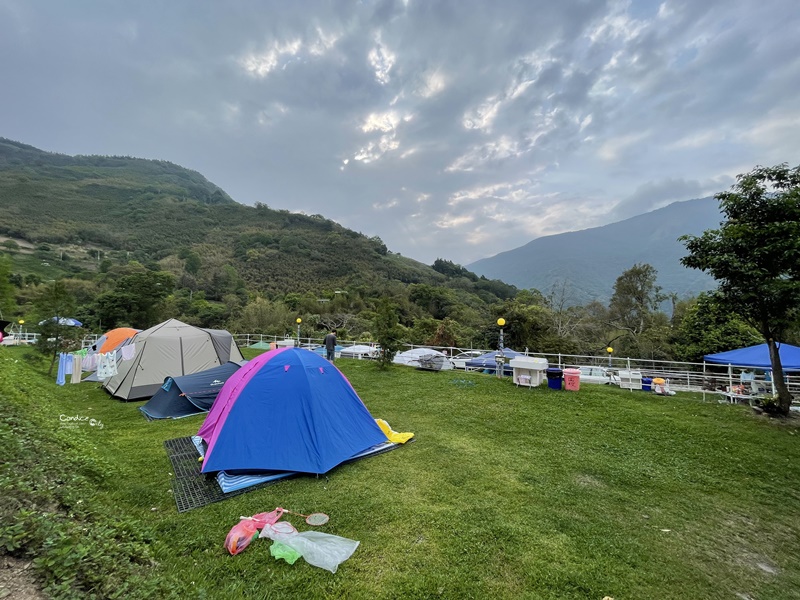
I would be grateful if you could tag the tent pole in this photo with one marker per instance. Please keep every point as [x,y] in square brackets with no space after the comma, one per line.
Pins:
[730,378]
[703,387]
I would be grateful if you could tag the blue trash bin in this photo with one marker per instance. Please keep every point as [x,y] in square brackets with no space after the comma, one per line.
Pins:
[554,378]
[647,384]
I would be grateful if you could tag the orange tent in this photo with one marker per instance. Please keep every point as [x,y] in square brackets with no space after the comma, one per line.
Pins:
[114,338]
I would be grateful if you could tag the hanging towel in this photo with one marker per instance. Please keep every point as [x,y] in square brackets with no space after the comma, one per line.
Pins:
[128,352]
[67,363]
[112,363]
[60,376]
[89,362]
[76,368]
[102,367]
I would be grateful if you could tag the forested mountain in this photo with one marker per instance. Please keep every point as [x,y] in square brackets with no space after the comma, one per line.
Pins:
[590,260]
[88,217]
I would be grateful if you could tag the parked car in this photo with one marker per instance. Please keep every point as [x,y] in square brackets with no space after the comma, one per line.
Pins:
[459,360]
[595,375]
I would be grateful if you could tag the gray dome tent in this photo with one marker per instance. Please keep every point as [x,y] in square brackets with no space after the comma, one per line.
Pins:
[170,349]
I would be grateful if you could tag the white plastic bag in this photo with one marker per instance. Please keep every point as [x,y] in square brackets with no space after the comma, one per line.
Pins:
[319,549]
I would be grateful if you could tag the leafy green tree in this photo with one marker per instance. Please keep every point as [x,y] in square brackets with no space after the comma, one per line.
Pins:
[708,327]
[633,309]
[423,330]
[193,263]
[53,302]
[446,334]
[292,301]
[437,301]
[526,325]
[136,300]
[755,257]
[263,316]
[387,332]
[451,269]
[6,287]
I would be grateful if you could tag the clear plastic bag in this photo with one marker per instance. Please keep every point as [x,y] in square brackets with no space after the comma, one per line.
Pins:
[319,549]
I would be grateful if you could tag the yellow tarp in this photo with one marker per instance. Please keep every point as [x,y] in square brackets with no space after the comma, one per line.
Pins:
[393,436]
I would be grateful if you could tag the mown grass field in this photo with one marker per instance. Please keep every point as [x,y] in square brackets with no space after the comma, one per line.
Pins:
[506,493]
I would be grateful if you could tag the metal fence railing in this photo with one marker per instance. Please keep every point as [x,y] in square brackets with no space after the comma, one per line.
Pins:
[703,377]
[706,378]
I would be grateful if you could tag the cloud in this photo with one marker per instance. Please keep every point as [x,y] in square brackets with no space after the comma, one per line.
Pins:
[453,130]
[382,60]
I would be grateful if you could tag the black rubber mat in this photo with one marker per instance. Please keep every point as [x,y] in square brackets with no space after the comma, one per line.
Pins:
[190,487]
[193,489]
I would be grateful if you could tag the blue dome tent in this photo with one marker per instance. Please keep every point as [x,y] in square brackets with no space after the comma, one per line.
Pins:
[288,409]
[188,395]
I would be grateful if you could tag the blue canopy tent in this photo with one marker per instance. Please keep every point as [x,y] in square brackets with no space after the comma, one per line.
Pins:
[757,357]
[488,362]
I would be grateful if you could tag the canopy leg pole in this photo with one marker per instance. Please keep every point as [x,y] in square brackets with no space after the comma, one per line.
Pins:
[730,379]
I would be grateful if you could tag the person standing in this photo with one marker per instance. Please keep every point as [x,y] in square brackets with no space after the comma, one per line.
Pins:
[330,345]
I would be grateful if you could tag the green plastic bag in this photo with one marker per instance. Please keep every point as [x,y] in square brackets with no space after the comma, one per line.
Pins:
[279,550]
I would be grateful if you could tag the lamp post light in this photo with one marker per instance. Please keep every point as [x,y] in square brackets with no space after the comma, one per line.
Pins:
[499,358]
[609,350]
[298,321]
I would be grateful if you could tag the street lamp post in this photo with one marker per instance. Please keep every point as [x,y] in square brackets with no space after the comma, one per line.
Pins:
[499,358]
[298,321]
[609,350]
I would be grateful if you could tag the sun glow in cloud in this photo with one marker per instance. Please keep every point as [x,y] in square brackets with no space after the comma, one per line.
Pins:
[262,64]
[432,84]
[277,54]
[387,121]
[494,151]
[382,60]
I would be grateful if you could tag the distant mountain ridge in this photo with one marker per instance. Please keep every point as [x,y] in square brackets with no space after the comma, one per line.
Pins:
[592,259]
[81,216]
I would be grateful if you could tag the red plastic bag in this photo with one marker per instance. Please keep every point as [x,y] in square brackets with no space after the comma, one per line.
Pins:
[240,536]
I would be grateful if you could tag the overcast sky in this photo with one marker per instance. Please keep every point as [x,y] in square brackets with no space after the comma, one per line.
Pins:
[454,129]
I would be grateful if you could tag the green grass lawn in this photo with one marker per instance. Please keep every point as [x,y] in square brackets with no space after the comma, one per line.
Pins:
[507,492]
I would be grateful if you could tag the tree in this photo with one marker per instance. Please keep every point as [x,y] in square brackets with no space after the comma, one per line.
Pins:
[755,257]
[387,332]
[437,301]
[634,305]
[707,327]
[136,299]
[52,303]
[264,316]
[446,333]
[6,287]
[527,325]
